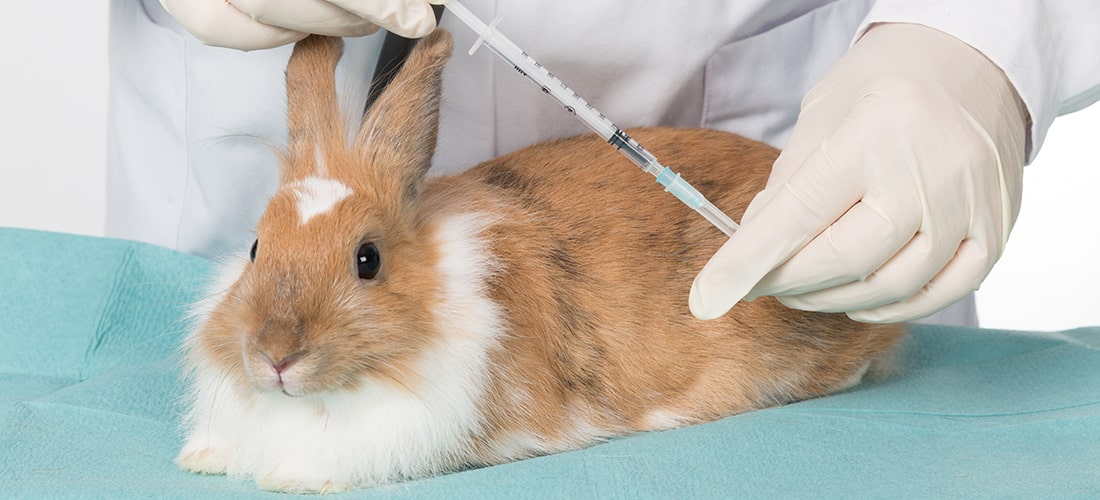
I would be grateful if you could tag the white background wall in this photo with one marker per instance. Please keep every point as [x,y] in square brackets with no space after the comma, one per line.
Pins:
[53,108]
[53,90]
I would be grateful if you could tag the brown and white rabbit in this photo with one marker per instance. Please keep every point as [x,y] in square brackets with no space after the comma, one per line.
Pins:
[390,326]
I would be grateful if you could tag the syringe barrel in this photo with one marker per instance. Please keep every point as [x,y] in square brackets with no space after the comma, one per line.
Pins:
[557,89]
[588,115]
[527,66]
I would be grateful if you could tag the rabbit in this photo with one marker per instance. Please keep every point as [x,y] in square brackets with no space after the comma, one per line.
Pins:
[389,326]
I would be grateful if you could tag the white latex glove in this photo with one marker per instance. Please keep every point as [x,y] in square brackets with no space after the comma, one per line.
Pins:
[263,24]
[895,193]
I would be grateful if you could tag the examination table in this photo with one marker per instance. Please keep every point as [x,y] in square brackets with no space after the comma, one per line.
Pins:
[89,405]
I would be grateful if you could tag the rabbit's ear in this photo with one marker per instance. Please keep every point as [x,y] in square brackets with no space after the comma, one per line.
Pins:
[398,135]
[314,123]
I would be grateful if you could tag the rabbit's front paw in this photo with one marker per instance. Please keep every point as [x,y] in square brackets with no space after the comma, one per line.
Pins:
[202,460]
[287,482]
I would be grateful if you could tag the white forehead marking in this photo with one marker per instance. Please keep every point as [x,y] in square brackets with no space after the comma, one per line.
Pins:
[317,195]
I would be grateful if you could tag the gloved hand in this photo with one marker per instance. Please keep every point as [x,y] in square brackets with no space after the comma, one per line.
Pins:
[895,193]
[262,24]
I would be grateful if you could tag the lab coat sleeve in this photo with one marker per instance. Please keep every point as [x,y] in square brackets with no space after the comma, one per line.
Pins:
[1047,49]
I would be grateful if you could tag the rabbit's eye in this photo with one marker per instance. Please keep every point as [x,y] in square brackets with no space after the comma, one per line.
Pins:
[252,253]
[368,260]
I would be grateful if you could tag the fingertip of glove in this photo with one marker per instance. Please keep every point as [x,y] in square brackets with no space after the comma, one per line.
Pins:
[879,316]
[419,23]
[705,301]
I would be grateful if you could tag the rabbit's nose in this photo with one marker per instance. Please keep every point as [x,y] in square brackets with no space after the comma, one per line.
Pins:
[283,363]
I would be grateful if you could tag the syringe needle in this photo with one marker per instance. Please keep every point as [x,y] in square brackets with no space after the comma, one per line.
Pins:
[691,197]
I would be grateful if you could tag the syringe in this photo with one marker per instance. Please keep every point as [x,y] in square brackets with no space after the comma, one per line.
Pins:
[527,66]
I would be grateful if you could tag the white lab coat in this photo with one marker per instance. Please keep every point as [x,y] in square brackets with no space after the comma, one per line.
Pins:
[191,128]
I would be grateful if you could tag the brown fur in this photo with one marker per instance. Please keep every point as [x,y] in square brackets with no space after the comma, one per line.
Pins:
[594,267]
[595,276]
